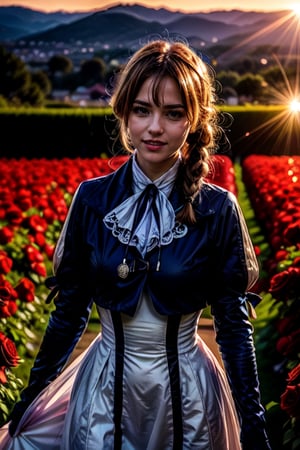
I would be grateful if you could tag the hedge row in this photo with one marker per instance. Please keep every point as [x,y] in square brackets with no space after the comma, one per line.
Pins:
[80,132]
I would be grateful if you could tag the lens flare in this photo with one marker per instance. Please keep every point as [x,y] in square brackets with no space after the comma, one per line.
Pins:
[282,128]
[296,9]
[295,105]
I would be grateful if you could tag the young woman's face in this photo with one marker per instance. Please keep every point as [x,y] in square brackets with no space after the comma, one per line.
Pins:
[158,132]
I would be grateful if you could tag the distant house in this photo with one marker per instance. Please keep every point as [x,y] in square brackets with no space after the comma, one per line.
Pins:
[83,95]
[98,91]
[60,94]
[230,96]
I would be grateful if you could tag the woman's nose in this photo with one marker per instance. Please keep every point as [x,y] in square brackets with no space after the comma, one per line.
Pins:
[155,125]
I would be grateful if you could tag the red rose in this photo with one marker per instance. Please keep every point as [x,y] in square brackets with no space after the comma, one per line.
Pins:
[296,262]
[8,295]
[14,215]
[39,239]
[286,283]
[37,224]
[6,263]
[279,282]
[2,212]
[294,374]
[33,254]
[292,233]
[24,203]
[8,308]
[49,215]
[39,190]
[287,324]
[5,194]
[41,203]
[8,356]
[275,240]
[6,235]
[257,250]
[39,268]
[24,199]
[49,250]
[25,290]
[290,400]
[281,255]
[288,345]
[7,292]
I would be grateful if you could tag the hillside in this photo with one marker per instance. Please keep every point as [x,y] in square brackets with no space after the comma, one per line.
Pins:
[127,25]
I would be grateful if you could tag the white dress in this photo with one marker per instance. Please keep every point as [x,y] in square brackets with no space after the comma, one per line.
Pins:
[146,382]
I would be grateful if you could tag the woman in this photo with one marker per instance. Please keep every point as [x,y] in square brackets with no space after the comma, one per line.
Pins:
[152,244]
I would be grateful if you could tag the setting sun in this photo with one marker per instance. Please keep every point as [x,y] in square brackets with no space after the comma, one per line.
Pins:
[296,8]
[295,106]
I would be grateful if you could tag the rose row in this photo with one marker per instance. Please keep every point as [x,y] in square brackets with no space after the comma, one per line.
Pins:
[273,187]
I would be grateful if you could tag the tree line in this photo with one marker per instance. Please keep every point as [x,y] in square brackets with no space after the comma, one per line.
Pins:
[23,84]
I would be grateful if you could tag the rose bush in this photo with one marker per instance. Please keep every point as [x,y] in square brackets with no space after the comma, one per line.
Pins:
[290,399]
[273,186]
[8,356]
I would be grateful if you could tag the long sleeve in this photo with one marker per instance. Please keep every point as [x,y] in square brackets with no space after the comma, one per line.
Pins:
[234,335]
[237,272]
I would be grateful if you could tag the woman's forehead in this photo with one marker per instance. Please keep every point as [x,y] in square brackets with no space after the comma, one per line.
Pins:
[164,91]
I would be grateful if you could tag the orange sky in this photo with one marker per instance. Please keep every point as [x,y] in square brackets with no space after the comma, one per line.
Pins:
[186,5]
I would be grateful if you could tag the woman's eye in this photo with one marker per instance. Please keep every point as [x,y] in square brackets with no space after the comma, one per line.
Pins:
[175,114]
[140,110]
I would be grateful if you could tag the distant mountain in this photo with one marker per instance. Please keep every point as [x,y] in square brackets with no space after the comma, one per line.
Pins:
[128,25]
[16,21]
[113,27]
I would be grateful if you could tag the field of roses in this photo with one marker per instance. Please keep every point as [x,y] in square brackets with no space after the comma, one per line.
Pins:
[272,186]
[34,198]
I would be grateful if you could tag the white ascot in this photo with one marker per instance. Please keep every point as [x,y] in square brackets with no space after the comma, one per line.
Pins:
[153,229]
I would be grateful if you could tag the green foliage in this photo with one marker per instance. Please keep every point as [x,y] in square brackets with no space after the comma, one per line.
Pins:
[41,79]
[228,78]
[3,102]
[9,394]
[250,85]
[16,84]
[92,71]
[60,63]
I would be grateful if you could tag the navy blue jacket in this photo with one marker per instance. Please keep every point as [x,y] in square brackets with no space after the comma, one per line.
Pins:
[213,260]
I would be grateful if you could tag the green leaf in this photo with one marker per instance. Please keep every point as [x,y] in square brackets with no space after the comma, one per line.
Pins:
[4,408]
[10,395]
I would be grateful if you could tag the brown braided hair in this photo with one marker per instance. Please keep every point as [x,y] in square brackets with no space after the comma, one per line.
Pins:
[195,80]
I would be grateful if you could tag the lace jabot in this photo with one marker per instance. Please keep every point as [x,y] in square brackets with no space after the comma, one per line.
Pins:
[147,219]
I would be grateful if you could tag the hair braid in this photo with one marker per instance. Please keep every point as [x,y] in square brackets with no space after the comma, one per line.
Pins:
[196,159]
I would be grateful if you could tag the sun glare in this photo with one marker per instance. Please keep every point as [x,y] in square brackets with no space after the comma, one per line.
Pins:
[295,105]
[296,8]
[284,32]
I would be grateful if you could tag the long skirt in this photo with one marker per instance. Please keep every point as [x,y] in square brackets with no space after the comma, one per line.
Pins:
[147,382]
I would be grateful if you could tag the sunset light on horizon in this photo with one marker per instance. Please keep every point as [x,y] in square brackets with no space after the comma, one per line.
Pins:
[189,5]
